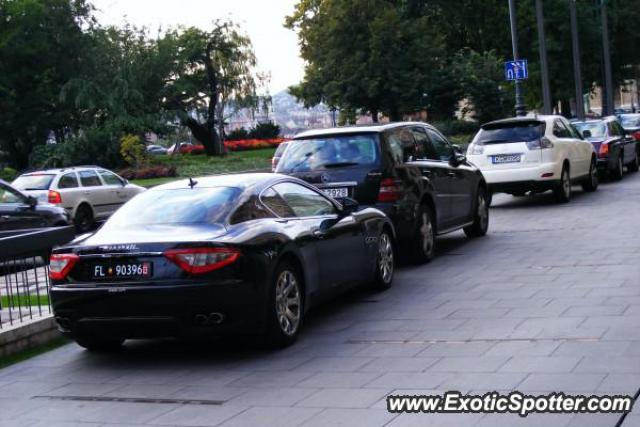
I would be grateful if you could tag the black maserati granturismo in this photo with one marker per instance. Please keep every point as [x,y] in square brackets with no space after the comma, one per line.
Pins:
[217,256]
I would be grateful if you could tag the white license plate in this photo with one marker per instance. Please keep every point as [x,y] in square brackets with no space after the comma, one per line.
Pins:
[507,158]
[336,193]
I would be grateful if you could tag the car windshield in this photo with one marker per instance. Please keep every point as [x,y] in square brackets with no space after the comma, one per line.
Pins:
[33,182]
[630,121]
[597,129]
[332,151]
[10,196]
[176,206]
[503,133]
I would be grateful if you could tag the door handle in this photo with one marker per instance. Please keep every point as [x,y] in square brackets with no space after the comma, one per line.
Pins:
[426,173]
[452,174]
[318,234]
[5,217]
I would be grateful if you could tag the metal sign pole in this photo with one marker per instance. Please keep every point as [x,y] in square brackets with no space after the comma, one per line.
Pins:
[544,67]
[520,107]
[608,106]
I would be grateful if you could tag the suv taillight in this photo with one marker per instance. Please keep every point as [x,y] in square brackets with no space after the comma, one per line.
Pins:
[202,260]
[390,190]
[636,136]
[61,264]
[604,150]
[541,143]
[54,197]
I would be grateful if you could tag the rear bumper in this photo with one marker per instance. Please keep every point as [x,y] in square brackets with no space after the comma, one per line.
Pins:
[523,186]
[532,173]
[159,310]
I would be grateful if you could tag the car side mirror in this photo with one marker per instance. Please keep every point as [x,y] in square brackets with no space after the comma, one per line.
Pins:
[32,202]
[457,159]
[457,148]
[586,133]
[349,205]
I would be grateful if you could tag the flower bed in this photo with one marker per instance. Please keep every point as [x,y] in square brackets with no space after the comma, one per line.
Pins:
[150,172]
[252,144]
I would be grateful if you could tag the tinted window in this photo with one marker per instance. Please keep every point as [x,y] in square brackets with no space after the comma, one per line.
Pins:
[613,130]
[276,203]
[597,129]
[424,146]
[443,150]
[110,178]
[9,196]
[329,152]
[504,133]
[183,206]
[560,130]
[630,121]
[89,179]
[250,210]
[303,201]
[402,145]
[33,182]
[68,180]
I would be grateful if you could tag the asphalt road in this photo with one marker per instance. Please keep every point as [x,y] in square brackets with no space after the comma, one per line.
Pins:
[548,301]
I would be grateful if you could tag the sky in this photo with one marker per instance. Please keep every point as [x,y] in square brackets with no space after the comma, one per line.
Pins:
[276,48]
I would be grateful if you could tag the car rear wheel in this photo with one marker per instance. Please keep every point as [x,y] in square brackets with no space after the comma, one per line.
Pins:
[481,217]
[562,192]
[424,241]
[385,262]
[83,219]
[618,172]
[635,164]
[285,306]
[591,183]
[99,343]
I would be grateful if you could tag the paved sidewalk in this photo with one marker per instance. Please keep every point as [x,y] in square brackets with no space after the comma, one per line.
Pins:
[548,301]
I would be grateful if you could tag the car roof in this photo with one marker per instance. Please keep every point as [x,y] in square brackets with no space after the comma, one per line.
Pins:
[243,181]
[344,130]
[61,170]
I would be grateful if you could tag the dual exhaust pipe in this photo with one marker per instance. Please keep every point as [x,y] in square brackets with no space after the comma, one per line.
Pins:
[208,319]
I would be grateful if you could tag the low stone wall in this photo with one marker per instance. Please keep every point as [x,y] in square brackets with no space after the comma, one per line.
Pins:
[27,334]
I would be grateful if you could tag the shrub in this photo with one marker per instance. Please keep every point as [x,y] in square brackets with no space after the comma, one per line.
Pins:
[8,174]
[237,134]
[133,150]
[266,130]
[150,172]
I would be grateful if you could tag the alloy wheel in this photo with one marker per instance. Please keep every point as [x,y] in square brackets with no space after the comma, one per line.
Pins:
[483,212]
[566,184]
[426,231]
[385,258]
[620,167]
[288,302]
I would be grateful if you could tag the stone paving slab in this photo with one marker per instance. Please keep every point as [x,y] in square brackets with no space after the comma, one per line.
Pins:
[548,301]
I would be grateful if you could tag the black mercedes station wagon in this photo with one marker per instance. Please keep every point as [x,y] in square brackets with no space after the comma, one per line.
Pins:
[407,170]
[215,256]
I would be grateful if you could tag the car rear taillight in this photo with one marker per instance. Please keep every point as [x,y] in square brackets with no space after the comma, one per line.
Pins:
[604,150]
[61,264]
[202,260]
[390,190]
[541,143]
[475,149]
[54,197]
[636,136]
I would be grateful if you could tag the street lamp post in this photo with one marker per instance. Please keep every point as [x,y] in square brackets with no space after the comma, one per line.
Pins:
[607,107]
[577,72]
[544,67]
[521,109]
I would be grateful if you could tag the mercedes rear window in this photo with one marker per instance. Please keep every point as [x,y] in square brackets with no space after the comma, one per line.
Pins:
[328,152]
[33,182]
[508,132]
[177,206]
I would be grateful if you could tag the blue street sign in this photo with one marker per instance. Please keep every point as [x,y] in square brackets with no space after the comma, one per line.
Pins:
[516,70]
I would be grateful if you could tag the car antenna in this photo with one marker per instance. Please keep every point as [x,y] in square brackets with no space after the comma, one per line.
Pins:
[192,183]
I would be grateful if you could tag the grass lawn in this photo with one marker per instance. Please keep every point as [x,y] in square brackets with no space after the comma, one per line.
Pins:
[24,300]
[202,165]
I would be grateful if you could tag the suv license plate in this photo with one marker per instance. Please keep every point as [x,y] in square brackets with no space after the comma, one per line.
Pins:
[508,158]
[336,193]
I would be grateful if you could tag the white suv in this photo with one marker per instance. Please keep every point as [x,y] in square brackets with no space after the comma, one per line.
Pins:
[535,154]
[88,193]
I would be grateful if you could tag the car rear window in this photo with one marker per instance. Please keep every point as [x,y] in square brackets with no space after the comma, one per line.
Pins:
[504,133]
[630,121]
[33,182]
[597,129]
[177,206]
[330,151]
[280,149]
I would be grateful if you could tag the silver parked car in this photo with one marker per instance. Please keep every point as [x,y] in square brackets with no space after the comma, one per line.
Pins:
[88,193]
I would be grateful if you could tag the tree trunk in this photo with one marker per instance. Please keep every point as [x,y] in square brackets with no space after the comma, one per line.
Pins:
[394,115]
[374,116]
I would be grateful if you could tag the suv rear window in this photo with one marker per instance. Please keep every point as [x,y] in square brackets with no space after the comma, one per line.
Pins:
[33,182]
[332,151]
[504,133]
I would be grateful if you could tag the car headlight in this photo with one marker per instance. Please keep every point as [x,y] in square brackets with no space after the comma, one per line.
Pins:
[475,149]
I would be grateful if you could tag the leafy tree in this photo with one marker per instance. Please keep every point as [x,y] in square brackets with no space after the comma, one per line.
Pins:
[212,71]
[41,46]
